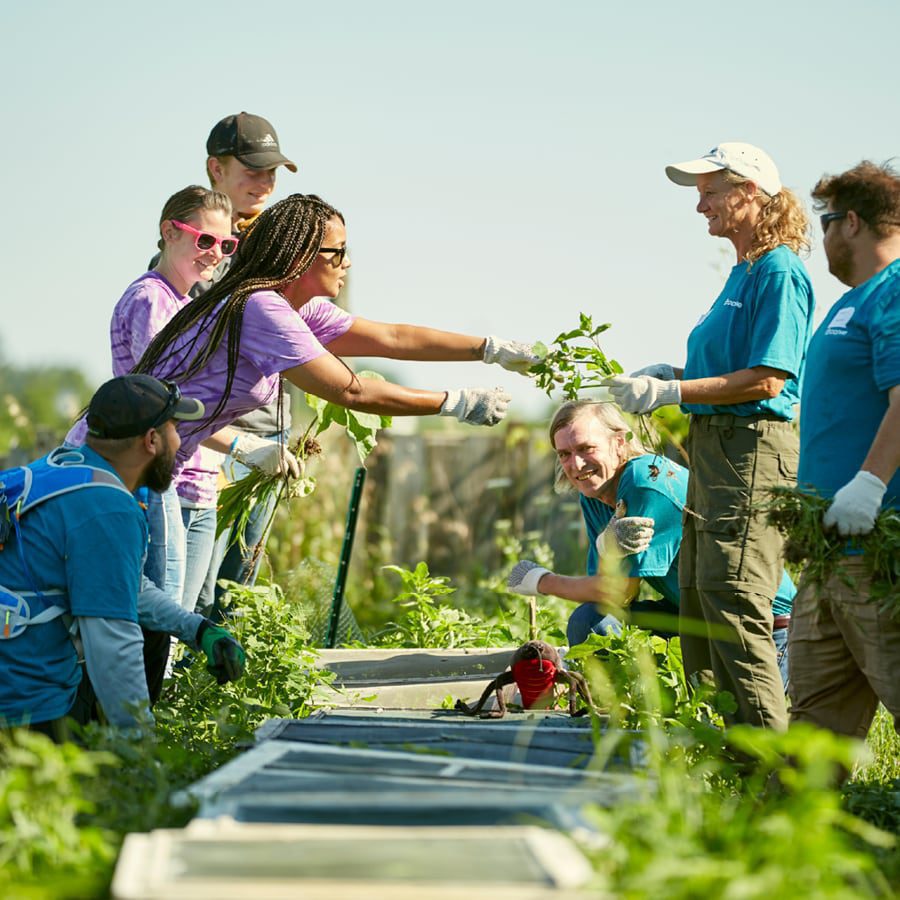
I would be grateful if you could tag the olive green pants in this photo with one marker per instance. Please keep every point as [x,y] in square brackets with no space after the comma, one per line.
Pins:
[731,560]
[844,654]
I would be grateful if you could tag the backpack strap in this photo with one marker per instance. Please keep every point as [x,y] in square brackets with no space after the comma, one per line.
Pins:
[63,470]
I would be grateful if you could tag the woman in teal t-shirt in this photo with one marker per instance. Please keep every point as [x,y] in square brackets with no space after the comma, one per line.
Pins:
[740,383]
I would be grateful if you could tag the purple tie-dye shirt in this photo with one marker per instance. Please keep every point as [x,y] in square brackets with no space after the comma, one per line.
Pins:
[141,313]
[274,337]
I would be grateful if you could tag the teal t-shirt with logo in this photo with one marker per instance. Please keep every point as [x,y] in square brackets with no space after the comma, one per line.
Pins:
[763,317]
[854,360]
[655,487]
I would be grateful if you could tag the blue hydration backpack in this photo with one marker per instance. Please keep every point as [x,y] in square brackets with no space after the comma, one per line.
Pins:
[22,489]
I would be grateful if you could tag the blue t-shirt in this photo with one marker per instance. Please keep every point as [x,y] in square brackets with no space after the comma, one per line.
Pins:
[89,543]
[854,360]
[763,317]
[655,487]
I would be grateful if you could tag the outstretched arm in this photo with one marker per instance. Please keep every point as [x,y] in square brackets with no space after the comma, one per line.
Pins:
[368,338]
[394,341]
[530,579]
[327,377]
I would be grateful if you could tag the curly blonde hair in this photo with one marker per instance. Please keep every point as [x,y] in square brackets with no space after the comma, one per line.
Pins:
[783,221]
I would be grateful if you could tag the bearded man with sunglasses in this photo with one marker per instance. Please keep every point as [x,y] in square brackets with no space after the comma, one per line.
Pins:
[844,645]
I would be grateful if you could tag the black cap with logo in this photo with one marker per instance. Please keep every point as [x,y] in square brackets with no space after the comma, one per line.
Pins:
[133,404]
[250,139]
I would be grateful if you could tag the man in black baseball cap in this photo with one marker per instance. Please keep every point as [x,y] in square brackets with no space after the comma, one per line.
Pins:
[244,155]
[130,405]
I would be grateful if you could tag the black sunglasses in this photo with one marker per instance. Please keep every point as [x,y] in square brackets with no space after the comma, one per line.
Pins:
[827,218]
[338,258]
[172,402]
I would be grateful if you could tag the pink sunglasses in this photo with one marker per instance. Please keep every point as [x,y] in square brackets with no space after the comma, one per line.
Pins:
[205,241]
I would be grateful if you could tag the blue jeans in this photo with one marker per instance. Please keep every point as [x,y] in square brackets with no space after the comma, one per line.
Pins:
[780,636]
[228,560]
[199,540]
[588,618]
[165,551]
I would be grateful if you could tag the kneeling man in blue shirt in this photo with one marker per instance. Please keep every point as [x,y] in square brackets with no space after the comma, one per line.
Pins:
[71,572]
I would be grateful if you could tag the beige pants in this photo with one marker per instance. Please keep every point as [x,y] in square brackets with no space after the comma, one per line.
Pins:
[844,654]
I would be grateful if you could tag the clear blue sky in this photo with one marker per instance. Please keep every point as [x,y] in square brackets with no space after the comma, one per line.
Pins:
[500,164]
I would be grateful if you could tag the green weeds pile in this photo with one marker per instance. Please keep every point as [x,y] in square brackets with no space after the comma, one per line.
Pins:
[821,551]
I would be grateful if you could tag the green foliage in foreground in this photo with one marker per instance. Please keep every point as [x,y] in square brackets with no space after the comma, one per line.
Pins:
[739,813]
[64,810]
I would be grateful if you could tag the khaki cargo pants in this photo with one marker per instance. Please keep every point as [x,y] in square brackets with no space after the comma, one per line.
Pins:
[731,560]
[844,654]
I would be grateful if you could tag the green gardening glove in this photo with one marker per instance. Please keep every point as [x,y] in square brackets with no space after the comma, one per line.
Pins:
[225,656]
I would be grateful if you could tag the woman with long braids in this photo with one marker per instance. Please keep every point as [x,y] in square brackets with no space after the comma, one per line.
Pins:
[270,317]
[740,383]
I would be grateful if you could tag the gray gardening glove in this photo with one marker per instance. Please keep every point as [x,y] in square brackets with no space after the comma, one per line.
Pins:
[642,394]
[511,355]
[476,406]
[524,578]
[631,534]
[271,457]
[657,370]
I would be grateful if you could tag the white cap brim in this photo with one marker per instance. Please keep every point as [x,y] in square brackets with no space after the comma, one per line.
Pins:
[685,173]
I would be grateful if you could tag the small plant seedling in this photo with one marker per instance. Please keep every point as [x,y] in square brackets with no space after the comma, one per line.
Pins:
[576,362]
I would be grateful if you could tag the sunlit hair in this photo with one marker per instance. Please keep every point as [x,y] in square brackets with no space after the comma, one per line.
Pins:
[610,418]
[870,190]
[223,161]
[185,203]
[276,249]
[782,220]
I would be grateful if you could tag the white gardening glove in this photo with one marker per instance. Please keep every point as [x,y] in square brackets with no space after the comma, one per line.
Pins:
[642,394]
[856,505]
[657,370]
[511,355]
[626,536]
[271,457]
[476,406]
[524,578]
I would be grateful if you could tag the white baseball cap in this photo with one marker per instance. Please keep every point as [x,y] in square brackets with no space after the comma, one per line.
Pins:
[742,159]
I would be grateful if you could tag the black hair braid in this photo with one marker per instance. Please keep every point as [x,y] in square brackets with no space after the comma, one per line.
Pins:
[278,247]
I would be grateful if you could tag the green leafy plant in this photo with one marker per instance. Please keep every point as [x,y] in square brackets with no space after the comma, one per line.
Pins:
[798,516]
[575,362]
[428,623]
[43,850]
[625,667]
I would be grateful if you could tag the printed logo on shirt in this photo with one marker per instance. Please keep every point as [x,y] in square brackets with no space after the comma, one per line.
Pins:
[838,325]
[735,303]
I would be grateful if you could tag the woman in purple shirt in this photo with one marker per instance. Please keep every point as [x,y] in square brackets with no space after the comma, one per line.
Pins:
[268,318]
